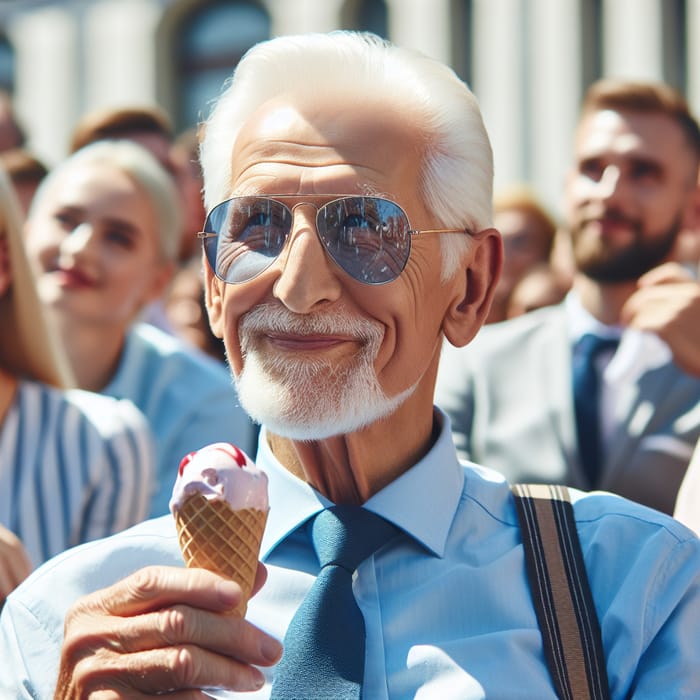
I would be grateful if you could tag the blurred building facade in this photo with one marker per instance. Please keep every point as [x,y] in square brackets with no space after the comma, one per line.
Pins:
[528,61]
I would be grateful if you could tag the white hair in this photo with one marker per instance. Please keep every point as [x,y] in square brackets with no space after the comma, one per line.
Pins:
[457,175]
[144,169]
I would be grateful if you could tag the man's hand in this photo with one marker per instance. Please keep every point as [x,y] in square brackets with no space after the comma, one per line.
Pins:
[161,630]
[15,565]
[667,302]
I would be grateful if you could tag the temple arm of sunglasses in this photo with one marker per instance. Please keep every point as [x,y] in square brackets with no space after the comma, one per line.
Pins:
[206,234]
[417,232]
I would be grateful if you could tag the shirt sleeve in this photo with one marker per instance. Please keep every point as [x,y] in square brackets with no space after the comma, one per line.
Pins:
[644,572]
[27,671]
[669,661]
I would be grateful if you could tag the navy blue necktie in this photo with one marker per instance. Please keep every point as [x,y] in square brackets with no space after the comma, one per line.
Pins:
[586,384]
[324,648]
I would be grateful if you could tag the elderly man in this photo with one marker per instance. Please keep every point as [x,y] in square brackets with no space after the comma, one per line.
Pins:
[603,390]
[333,308]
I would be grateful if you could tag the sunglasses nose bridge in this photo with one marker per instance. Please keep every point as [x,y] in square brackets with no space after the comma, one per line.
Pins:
[312,222]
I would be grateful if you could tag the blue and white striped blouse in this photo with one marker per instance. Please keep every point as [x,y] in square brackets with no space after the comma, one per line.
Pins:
[74,465]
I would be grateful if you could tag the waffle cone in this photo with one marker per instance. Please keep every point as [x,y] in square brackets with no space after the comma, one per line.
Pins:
[213,536]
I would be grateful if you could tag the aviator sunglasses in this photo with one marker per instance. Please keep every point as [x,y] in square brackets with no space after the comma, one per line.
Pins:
[368,237]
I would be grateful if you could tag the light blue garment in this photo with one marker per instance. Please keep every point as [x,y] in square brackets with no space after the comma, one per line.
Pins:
[188,398]
[75,466]
[448,611]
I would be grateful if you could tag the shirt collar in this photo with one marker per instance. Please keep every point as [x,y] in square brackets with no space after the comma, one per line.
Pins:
[422,501]
[639,351]
[581,321]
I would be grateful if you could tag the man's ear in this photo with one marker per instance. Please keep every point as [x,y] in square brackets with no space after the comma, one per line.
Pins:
[213,298]
[474,288]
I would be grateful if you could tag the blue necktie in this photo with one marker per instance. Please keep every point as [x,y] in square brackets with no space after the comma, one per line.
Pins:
[324,648]
[586,384]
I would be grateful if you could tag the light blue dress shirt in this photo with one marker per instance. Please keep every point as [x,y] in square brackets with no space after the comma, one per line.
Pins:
[448,609]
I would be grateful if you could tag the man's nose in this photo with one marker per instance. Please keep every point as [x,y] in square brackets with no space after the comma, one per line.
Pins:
[610,183]
[307,277]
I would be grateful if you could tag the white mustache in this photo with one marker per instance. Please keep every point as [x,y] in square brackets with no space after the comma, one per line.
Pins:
[277,319]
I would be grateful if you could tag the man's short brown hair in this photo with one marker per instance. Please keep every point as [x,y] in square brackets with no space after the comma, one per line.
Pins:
[643,97]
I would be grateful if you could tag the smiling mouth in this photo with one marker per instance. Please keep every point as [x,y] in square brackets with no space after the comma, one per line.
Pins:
[72,279]
[307,343]
[608,224]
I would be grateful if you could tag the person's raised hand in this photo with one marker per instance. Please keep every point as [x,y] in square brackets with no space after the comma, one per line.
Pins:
[15,564]
[667,302]
[162,630]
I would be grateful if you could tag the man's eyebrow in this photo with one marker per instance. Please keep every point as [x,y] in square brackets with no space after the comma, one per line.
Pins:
[644,159]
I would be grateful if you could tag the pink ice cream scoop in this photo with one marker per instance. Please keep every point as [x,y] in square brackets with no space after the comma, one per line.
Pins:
[221,471]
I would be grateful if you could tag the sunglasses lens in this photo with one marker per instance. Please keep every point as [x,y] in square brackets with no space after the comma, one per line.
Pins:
[367,236]
[251,232]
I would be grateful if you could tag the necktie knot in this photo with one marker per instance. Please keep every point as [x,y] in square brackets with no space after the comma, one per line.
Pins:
[590,346]
[347,535]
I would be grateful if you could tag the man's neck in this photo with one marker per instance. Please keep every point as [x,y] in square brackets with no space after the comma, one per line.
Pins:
[351,468]
[603,301]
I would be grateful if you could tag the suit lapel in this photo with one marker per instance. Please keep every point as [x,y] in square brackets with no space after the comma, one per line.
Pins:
[555,371]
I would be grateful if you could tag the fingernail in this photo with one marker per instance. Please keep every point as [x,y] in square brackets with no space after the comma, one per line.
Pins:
[257,680]
[270,648]
[229,592]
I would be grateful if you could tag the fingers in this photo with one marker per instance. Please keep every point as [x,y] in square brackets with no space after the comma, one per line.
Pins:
[228,636]
[655,306]
[672,312]
[157,587]
[134,695]
[665,274]
[260,578]
[164,670]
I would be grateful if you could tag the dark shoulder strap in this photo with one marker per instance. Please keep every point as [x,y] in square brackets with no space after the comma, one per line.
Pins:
[562,597]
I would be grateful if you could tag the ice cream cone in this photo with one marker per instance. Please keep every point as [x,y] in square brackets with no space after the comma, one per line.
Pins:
[216,537]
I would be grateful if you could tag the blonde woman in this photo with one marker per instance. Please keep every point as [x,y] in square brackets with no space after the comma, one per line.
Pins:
[74,466]
[103,234]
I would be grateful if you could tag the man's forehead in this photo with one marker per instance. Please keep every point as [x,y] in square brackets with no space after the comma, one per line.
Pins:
[627,132]
[334,133]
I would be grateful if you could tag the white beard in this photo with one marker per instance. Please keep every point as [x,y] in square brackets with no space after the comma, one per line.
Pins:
[311,399]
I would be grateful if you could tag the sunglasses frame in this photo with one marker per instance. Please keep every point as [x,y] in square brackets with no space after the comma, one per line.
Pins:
[205,236]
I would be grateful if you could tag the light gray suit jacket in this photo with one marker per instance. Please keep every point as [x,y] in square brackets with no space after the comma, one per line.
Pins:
[508,395]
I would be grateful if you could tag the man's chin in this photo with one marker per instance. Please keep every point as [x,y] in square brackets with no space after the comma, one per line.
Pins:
[314,424]
[318,416]
[302,433]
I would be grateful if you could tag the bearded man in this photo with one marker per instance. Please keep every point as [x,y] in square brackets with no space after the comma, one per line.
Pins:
[601,391]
